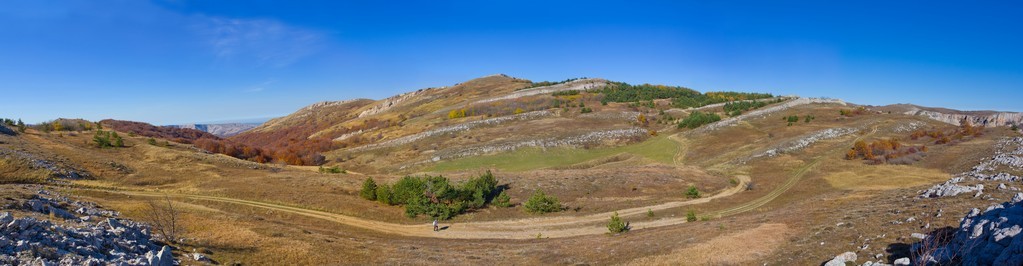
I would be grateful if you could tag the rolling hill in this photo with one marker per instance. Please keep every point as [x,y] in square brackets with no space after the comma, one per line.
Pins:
[706,178]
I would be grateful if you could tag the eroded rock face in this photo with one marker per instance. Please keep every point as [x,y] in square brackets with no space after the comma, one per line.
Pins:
[987,120]
[983,238]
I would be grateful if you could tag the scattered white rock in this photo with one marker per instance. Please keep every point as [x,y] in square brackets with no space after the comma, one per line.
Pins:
[841,259]
[983,238]
[805,141]
[759,113]
[586,138]
[450,129]
[75,241]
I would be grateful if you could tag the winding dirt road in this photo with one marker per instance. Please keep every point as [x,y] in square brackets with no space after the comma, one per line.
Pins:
[552,227]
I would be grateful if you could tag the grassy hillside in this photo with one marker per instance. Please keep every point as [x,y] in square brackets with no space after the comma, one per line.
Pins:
[778,169]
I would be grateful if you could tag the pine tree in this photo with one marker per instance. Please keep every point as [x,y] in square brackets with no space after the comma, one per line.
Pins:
[102,139]
[118,141]
[692,193]
[502,200]
[616,225]
[21,126]
[542,203]
[369,189]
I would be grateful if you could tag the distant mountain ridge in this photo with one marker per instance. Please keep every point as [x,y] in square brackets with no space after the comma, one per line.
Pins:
[220,130]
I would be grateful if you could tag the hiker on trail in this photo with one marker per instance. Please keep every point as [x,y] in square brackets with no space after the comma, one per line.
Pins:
[435,228]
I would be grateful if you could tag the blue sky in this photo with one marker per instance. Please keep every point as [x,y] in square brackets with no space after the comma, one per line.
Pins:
[167,62]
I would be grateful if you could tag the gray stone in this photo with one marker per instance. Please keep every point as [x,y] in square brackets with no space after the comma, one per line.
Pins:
[77,241]
[841,259]
[902,262]
[5,218]
[983,238]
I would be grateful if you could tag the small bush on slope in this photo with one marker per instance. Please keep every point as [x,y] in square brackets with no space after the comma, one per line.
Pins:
[369,189]
[542,203]
[616,225]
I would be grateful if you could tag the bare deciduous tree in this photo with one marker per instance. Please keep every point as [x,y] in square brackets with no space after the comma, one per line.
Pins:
[164,219]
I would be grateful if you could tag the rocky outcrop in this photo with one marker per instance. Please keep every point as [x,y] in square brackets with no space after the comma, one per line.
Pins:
[1008,156]
[220,130]
[760,113]
[450,129]
[86,236]
[987,119]
[841,259]
[387,104]
[983,238]
[805,141]
[7,131]
[578,85]
[626,115]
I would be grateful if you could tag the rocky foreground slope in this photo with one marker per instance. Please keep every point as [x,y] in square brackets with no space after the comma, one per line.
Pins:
[76,233]
[983,238]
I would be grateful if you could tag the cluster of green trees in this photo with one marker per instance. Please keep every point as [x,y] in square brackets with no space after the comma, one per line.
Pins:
[737,108]
[332,170]
[107,139]
[436,196]
[11,123]
[716,97]
[682,97]
[697,119]
[792,119]
[565,93]
[624,92]
[64,124]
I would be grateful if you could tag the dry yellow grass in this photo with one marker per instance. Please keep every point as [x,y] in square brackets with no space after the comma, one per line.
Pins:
[883,177]
[12,171]
[744,247]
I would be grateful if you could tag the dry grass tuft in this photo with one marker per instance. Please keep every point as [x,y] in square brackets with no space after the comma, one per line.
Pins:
[744,247]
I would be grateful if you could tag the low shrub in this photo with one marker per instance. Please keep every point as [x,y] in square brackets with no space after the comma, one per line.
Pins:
[692,193]
[542,203]
[616,225]
[690,216]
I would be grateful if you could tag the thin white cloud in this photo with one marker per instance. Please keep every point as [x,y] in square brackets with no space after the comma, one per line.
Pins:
[260,87]
[261,42]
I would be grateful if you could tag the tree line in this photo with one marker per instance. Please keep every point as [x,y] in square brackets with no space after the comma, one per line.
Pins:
[681,97]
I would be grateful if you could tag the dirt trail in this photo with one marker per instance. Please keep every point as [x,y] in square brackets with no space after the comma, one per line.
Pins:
[553,227]
[561,226]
